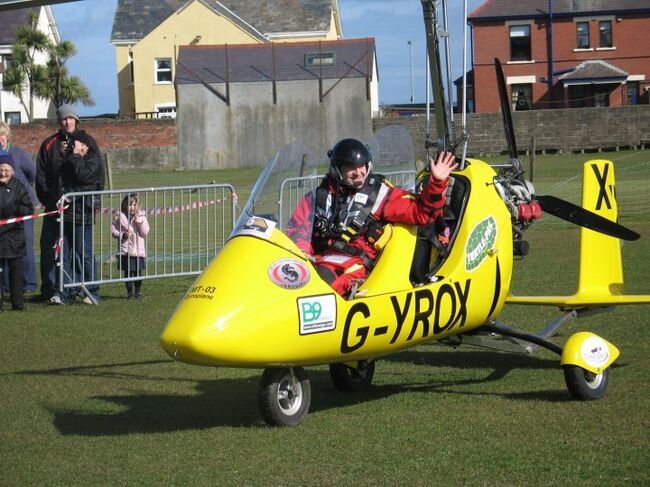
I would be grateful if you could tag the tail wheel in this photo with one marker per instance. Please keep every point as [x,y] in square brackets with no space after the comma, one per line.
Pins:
[346,378]
[584,385]
[284,396]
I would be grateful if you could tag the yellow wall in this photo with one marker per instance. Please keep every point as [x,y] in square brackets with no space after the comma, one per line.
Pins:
[178,30]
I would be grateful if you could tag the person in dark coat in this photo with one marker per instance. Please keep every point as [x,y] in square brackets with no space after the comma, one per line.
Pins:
[26,174]
[68,161]
[14,202]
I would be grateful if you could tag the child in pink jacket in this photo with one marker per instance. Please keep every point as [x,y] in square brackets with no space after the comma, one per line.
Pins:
[130,227]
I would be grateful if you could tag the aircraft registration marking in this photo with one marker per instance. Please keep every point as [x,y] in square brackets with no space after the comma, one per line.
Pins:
[427,316]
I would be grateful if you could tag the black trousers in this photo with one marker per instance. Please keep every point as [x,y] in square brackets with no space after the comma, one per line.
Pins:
[15,268]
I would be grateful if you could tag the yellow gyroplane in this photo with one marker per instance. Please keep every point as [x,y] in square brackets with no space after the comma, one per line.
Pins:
[261,304]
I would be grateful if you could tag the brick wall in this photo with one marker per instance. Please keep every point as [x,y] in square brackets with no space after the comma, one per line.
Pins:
[129,143]
[567,130]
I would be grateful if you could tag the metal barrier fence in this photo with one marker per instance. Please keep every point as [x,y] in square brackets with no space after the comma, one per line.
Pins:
[188,225]
[293,190]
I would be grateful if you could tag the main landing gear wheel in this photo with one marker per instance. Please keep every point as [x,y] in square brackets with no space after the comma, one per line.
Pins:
[584,385]
[284,396]
[350,379]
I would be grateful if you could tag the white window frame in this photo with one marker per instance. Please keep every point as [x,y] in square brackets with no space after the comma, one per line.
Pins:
[7,117]
[515,25]
[165,110]
[157,70]
[131,66]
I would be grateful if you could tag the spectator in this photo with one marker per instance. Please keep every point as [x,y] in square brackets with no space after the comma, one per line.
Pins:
[130,227]
[14,202]
[68,161]
[25,172]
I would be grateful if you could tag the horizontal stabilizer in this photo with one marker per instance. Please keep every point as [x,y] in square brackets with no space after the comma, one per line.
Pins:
[579,301]
[600,276]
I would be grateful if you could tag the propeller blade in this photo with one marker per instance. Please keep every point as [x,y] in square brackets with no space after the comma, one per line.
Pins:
[508,126]
[585,218]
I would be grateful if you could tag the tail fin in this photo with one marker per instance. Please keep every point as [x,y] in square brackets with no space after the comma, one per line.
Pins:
[600,277]
[601,267]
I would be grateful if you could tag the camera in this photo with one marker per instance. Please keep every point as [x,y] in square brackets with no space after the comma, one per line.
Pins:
[69,141]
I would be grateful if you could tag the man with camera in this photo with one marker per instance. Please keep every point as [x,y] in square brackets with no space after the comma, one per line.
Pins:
[68,161]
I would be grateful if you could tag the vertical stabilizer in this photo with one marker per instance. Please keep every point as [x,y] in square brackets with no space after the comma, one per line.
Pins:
[601,270]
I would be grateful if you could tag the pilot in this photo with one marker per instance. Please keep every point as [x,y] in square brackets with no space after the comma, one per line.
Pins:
[340,231]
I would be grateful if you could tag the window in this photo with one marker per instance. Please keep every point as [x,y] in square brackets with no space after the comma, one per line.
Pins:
[319,59]
[632,92]
[522,97]
[12,118]
[601,96]
[163,70]
[583,35]
[166,111]
[605,29]
[7,61]
[577,96]
[520,43]
[131,74]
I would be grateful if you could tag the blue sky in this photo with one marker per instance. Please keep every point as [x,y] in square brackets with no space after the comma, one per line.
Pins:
[392,23]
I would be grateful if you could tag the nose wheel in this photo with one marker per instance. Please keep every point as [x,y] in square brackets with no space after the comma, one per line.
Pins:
[584,385]
[284,396]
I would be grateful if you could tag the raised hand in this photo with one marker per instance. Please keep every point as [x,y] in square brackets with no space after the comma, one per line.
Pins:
[443,166]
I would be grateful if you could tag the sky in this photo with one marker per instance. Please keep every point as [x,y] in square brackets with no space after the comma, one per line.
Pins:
[393,23]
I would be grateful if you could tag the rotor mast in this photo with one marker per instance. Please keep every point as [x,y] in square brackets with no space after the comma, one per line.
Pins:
[444,130]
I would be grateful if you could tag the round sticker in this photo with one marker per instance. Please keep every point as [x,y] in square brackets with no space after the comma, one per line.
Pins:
[594,351]
[289,273]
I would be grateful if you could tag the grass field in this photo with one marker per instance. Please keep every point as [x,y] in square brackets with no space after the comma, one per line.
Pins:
[90,398]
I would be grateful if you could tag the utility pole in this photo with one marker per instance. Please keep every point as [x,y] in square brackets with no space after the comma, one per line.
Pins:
[411,63]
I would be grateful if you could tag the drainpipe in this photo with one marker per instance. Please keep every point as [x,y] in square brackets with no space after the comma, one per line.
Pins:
[550,52]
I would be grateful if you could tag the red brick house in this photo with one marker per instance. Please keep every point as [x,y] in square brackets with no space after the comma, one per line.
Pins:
[561,53]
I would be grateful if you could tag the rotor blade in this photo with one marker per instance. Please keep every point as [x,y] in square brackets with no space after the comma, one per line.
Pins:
[585,218]
[508,127]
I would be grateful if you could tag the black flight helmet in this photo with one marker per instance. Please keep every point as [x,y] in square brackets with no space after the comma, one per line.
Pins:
[351,152]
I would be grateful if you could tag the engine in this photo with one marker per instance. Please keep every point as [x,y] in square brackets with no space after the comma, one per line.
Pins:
[519,196]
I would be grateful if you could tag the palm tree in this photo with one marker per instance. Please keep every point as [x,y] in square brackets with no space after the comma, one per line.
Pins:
[27,79]
[64,88]
[25,73]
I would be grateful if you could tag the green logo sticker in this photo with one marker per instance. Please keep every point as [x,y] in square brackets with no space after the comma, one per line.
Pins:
[480,242]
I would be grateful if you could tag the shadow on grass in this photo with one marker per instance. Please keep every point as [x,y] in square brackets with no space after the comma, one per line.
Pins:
[233,402]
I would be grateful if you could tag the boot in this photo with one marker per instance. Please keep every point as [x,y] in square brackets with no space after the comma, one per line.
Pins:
[138,290]
[129,290]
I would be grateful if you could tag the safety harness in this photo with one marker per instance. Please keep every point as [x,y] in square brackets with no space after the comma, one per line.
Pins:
[343,216]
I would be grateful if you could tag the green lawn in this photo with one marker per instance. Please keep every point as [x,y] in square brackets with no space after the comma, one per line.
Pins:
[90,398]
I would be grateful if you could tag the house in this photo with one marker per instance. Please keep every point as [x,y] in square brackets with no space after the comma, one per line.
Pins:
[147,35]
[11,109]
[561,53]
[237,104]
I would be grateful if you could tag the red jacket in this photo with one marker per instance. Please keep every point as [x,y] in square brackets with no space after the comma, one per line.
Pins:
[391,205]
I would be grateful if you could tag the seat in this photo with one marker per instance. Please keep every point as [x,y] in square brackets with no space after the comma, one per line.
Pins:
[430,252]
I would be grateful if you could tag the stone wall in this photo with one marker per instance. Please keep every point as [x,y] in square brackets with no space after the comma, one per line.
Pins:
[154,143]
[569,130]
